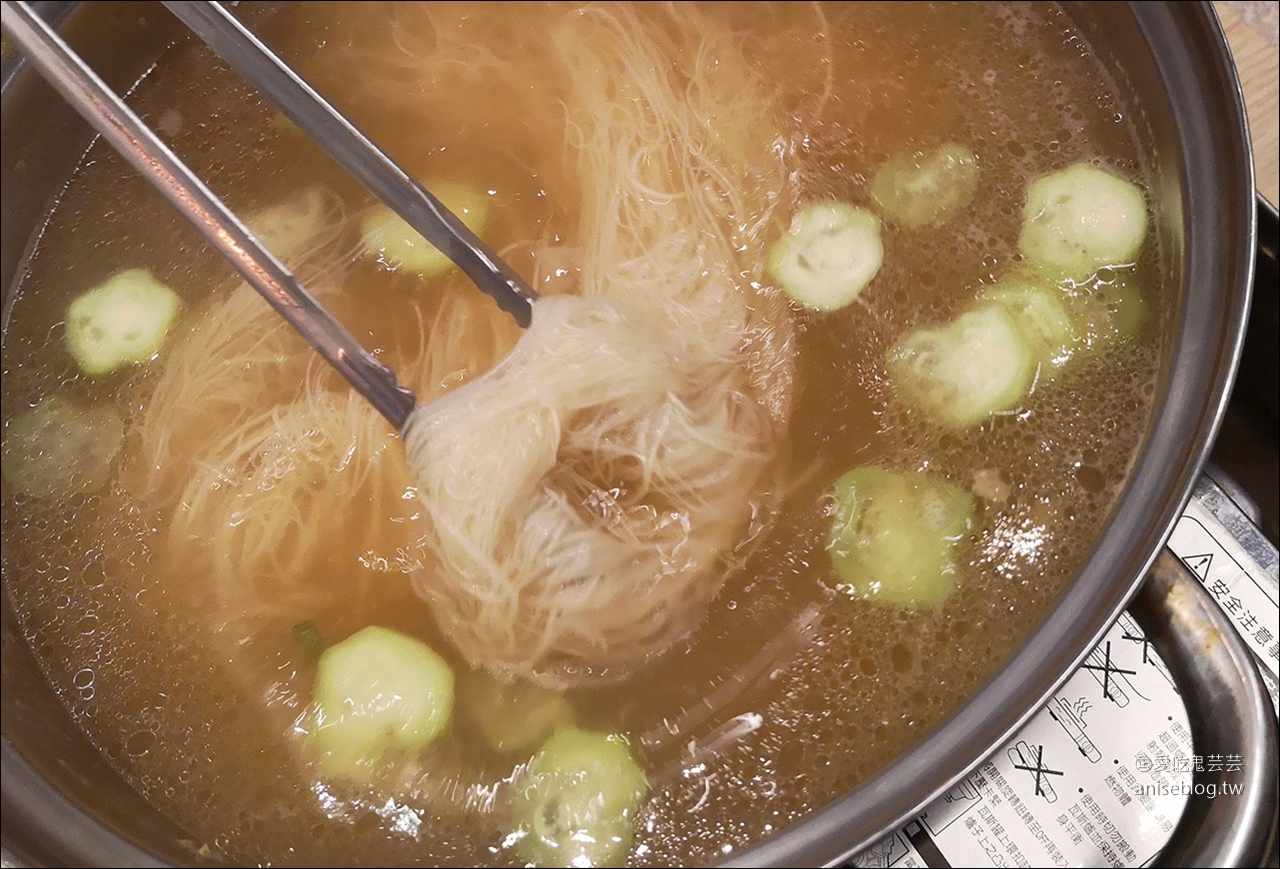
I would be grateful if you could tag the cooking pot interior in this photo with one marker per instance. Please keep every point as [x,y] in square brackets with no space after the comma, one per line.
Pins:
[62,804]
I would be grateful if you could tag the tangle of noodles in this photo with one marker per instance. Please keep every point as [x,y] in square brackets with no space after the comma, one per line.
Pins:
[585,499]
[582,494]
[235,360]
[263,458]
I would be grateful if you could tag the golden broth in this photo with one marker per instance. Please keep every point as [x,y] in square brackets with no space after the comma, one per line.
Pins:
[193,704]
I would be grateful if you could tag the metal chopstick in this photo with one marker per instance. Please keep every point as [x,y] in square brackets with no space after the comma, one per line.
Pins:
[300,102]
[126,132]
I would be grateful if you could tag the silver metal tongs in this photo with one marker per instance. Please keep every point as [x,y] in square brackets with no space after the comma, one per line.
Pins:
[299,102]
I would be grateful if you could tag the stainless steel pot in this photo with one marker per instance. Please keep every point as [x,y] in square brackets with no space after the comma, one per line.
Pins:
[62,805]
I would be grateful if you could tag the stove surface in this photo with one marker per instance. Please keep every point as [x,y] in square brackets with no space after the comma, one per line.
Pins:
[1246,454]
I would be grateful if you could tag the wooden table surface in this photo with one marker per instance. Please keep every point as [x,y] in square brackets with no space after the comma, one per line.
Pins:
[1258,63]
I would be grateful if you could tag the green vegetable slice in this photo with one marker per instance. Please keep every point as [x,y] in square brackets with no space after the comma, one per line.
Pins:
[1041,312]
[893,534]
[828,256]
[577,802]
[120,322]
[378,694]
[294,225]
[398,246]
[961,373]
[926,189]
[514,717]
[1080,219]
[62,447]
